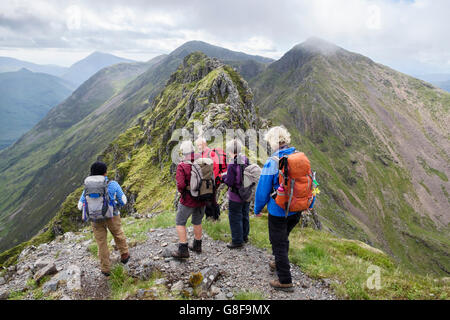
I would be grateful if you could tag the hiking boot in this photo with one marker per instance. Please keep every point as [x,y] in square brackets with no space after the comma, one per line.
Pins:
[196,246]
[283,287]
[235,245]
[182,252]
[272,266]
[246,240]
[124,258]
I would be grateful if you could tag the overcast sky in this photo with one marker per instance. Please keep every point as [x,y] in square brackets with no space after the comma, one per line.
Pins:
[411,36]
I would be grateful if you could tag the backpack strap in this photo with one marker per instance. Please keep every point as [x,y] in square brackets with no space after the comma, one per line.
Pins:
[274,192]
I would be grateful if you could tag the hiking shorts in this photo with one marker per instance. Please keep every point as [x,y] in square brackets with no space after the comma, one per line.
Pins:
[184,213]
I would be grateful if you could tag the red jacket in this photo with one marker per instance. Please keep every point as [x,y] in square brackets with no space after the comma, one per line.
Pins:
[183,178]
[208,153]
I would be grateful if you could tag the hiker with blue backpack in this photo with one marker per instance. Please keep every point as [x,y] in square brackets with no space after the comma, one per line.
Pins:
[286,187]
[100,203]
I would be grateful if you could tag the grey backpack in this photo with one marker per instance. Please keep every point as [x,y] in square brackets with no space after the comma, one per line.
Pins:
[202,184]
[250,176]
[97,206]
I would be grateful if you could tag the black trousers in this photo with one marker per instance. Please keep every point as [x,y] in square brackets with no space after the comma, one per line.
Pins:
[212,210]
[279,230]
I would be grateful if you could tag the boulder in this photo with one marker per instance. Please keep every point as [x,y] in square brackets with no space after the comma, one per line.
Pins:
[73,281]
[221,296]
[40,263]
[50,286]
[26,252]
[4,294]
[45,271]
[161,281]
[177,287]
[209,276]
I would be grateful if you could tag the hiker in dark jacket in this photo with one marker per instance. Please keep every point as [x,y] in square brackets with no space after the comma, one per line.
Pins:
[114,225]
[188,206]
[238,210]
[279,226]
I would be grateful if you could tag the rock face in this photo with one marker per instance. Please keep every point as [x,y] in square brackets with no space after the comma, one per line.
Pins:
[202,91]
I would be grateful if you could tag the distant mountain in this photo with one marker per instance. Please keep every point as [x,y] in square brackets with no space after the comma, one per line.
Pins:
[87,67]
[434,77]
[25,98]
[49,162]
[217,52]
[378,140]
[10,64]
[444,85]
[440,80]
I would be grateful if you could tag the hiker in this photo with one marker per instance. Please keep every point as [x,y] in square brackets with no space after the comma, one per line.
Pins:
[188,205]
[103,215]
[238,209]
[281,219]
[212,210]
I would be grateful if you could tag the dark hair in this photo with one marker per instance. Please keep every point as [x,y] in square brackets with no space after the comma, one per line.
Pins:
[98,169]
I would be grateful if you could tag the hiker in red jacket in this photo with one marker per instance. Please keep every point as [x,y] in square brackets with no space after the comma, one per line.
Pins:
[218,156]
[188,206]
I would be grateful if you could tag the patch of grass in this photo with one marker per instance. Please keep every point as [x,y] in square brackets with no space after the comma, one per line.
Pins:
[123,285]
[249,295]
[321,255]
[17,295]
[93,249]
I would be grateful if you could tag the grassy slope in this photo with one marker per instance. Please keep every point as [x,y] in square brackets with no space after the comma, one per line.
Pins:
[25,98]
[57,150]
[326,103]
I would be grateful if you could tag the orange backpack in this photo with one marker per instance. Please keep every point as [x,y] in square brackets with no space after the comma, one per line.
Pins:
[296,183]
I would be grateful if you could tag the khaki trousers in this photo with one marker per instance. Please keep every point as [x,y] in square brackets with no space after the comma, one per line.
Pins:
[100,230]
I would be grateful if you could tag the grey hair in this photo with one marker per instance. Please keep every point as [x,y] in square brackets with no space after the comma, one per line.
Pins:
[234,146]
[200,140]
[187,147]
[277,136]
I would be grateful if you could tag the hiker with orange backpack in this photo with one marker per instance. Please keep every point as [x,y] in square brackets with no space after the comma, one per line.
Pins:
[285,186]
[219,157]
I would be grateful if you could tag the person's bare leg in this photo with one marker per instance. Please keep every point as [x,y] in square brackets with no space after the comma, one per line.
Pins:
[198,232]
[182,235]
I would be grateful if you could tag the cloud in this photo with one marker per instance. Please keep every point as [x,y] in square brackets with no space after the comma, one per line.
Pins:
[408,35]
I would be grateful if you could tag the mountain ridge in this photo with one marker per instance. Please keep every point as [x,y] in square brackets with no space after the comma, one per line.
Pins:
[357,118]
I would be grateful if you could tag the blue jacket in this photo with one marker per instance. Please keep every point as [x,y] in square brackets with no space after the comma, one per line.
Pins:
[268,182]
[115,193]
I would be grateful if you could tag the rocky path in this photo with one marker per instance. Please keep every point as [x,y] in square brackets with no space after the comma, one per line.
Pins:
[233,270]
[75,275]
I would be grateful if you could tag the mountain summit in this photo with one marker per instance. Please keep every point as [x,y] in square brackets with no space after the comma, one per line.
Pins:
[379,141]
[85,68]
